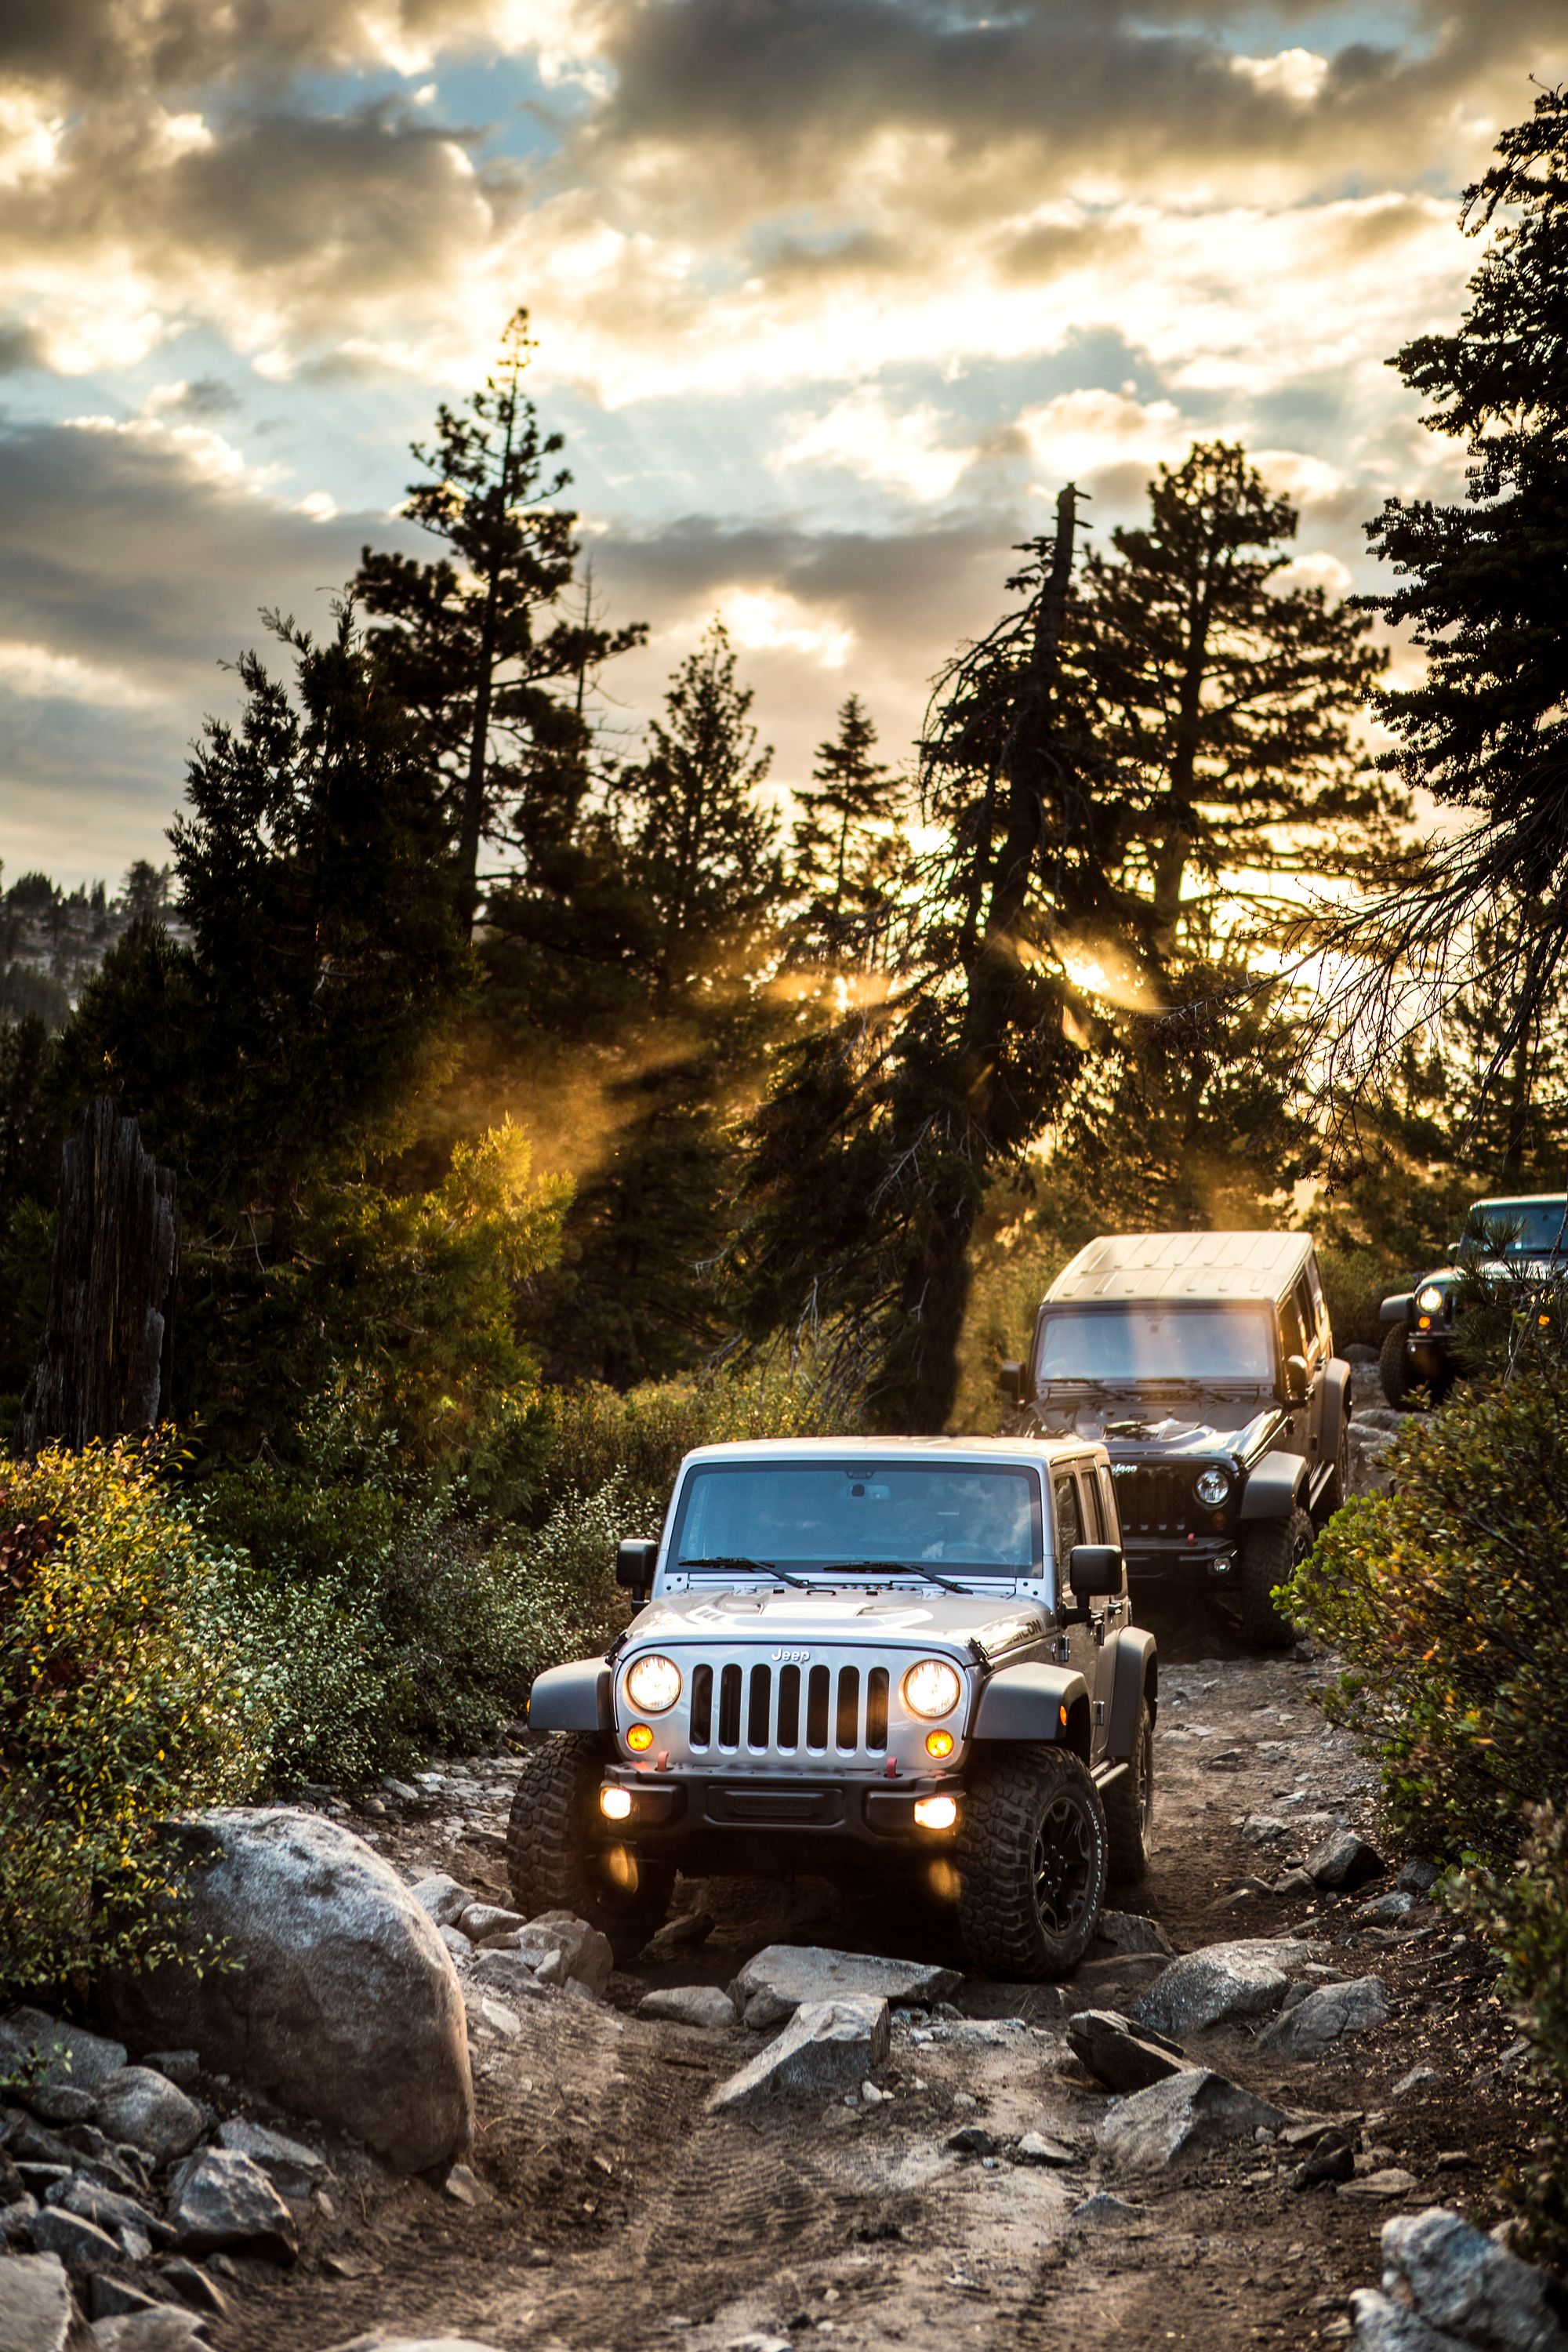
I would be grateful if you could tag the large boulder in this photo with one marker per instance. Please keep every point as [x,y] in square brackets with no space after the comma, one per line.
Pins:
[1181,2118]
[1118,2054]
[1219,1982]
[704,2005]
[334,1991]
[1466,2285]
[218,2199]
[828,2047]
[152,2113]
[773,1985]
[68,2056]
[1378,2324]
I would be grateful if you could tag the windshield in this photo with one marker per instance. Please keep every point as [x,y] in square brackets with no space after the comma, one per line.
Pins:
[1528,1226]
[860,1515]
[1123,1347]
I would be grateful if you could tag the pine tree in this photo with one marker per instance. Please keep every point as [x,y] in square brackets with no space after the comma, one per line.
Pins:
[473,643]
[847,850]
[1484,586]
[1233,698]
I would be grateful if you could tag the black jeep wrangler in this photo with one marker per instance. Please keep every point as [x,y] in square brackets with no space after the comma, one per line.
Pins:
[1205,1365]
[1509,1241]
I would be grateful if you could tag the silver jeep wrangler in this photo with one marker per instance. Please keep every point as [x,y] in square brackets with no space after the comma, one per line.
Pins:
[859,1658]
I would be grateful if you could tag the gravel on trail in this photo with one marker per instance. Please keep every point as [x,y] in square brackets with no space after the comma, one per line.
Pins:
[960,2195]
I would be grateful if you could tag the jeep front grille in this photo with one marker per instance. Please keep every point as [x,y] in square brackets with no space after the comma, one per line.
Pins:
[1154,1502]
[838,1710]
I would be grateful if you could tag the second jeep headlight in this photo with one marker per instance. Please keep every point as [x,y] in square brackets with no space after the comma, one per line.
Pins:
[932,1688]
[653,1683]
[1430,1300]
[1212,1487]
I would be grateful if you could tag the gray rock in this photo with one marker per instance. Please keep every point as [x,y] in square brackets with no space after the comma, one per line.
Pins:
[162,2329]
[73,2056]
[1220,1981]
[56,2231]
[1102,2210]
[412,2344]
[150,2113]
[1378,2325]
[289,2164]
[488,1924]
[194,2286]
[1116,2054]
[1397,1904]
[507,1973]
[1356,1352]
[1181,2118]
[587,1958]
[1460,2281]
[1343,1860]
[681,1935]
[689,2005]
[770,1986]
[1393,2180]
[443,1898]
[57,2102]
[1039,2148]
[1264,1828]
[16,2217]
[111,2210]
[828,2047]
[219,2198]
[1330,2160]
[182,2066]
[1418,1876]
[1132,1932]
[112,2298]
[457,1944]
[345,2004]
[36,2312]
[1420,2078]
[1332,2011]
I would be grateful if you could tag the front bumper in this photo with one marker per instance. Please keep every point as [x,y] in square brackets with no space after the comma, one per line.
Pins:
[757,1826]
[1206,1559]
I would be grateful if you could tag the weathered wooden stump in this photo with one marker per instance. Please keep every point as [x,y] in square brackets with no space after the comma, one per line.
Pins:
[104,1364]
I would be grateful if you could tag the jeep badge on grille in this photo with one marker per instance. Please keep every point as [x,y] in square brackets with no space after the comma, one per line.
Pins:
[791,1658]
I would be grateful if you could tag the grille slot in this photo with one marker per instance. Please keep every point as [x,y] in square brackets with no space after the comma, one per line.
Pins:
[877,1709]
[729,1707]
[702,1707]
[788,1734]
[817,1709]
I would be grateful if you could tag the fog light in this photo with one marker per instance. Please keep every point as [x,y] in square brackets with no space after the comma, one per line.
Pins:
[939,1743]
[641,1737]
[936,1812]
[614,1803]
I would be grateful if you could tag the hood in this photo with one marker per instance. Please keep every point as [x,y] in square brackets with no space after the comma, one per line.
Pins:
[1512,1268]
[1194,1429]
[840,1615]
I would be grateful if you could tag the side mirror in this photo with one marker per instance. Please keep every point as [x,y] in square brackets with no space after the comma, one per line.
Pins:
[1094,1571]
[635,1562]
[1011,1383]
[1295,1380]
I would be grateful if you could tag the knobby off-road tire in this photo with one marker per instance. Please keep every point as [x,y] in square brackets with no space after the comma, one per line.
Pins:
[1393,1369]
[1270,1548]
[556,1859]
[1032,1863]
[1129,1805]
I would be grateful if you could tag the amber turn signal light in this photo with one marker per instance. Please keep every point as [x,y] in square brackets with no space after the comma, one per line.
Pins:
[640,1738]
[939,1743]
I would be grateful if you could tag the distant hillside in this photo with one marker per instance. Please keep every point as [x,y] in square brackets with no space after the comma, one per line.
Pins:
[53,941]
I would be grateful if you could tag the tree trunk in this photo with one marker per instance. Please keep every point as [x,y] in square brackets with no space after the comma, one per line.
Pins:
[104,1364]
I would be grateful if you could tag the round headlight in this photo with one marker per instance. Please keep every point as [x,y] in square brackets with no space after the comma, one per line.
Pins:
[1212,1487]
[653,1683]
[1430,1300]
[932,1688]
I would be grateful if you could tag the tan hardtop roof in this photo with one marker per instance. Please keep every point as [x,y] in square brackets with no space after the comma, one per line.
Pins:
[1198,1268]
[913,1449]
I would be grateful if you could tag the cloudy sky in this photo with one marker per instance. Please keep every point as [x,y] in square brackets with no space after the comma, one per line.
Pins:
[830,296]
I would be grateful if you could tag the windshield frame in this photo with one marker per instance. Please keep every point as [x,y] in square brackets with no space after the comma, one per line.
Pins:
[838,1568]
[1136,1382]
[1507,1212]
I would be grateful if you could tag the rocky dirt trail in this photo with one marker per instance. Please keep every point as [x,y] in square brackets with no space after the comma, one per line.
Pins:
[972,2199]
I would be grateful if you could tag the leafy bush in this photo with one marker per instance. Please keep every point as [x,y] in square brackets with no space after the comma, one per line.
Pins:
[382,1612]
[1447,1602]
[1524,1915]
[122,1698]
[1355,1283]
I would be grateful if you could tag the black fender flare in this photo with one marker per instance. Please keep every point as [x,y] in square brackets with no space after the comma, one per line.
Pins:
[1337,1385]
[574,1697]
[1398,1309]
[1134,1676]
[1274,1486]
[1035,1702]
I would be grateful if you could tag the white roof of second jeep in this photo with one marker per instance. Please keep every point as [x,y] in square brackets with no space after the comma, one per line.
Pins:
[867,1449]
[1198,1268]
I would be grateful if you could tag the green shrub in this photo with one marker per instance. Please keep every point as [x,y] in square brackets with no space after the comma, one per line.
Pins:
[1356,1284]
[1524,1915]
[122,1699]
[1447,1603]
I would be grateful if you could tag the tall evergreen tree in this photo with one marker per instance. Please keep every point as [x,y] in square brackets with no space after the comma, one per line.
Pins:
[473,643]
[847,850]
[1483,588]
[1235,699]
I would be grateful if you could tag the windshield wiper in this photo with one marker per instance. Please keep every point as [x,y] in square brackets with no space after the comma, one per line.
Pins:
[896,1568]
[752,1567]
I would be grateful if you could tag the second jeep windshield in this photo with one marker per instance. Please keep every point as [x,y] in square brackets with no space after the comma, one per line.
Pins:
[1122,1347]
[861,1517]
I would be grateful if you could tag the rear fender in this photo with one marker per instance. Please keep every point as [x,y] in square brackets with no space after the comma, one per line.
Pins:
[1134,1676]
[572,1698]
